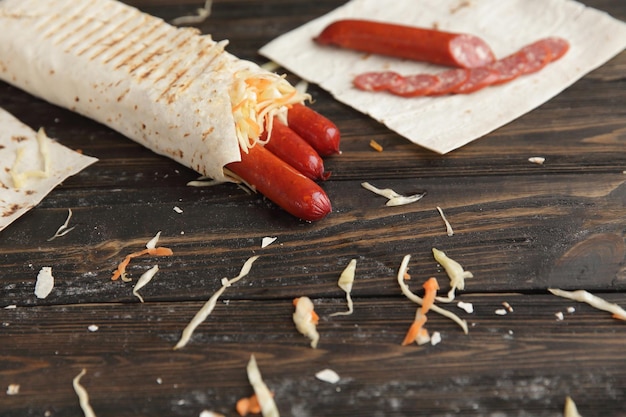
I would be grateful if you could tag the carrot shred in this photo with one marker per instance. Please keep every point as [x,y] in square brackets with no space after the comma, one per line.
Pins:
[430,287]
[121,268]
[248,405]
[417,328]
[315,319]
[376,146]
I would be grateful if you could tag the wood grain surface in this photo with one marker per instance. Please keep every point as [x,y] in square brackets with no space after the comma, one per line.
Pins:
[520,228]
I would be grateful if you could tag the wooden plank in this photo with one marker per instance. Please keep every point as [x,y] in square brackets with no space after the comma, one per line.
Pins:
[519,227]
[132,369]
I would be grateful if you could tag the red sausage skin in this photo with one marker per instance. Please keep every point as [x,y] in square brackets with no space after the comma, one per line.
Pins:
[282,184]
[419,44]
[291,148]
[317,130]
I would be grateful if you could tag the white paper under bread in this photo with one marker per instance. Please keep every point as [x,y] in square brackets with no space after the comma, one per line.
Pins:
[65,162]
[164,87]
[443,124]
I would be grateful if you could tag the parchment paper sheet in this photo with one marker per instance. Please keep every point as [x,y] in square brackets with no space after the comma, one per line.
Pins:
[443,124]
[65,162]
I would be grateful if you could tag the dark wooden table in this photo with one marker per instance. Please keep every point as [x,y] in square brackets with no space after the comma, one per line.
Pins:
[519,227]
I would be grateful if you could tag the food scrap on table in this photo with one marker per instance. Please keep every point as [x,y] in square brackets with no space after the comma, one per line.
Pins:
[508,306]
[306,319]
[418,300]
[63,229]
[394,198]
[13,389]
[346,279]
[376,146]
[449,230]
[83,396]
[208,307]
[45,282]
[152,243]
[262,392]
[455,272]
[248,405]
[328,375]
[570,409]
[539,160]
[208,413]
[201,15]
[435,338]
[593,300]
[266,241]
[417,332]
[143,280]
[467,307]
[151,249]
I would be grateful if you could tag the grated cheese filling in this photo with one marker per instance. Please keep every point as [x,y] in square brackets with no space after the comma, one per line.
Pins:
[19,178]
[256,99]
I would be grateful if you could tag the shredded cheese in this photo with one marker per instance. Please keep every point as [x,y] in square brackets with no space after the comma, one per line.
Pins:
[208,307]
[268,406]
[306,319]
[63,229]
[593,300]
[455,272]
[256,99]
[346,279]
[83,396]
[144,279]
[20,178]
[394,198]
[418,300]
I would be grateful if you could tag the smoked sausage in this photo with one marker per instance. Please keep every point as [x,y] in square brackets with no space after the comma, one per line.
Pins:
[317,130]
[282,184]
[419,44]
[291,148]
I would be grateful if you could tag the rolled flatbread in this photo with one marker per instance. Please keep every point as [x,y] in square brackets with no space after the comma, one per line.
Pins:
[173,90]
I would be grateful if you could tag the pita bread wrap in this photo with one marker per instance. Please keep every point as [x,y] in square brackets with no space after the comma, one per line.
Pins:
[171,89]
